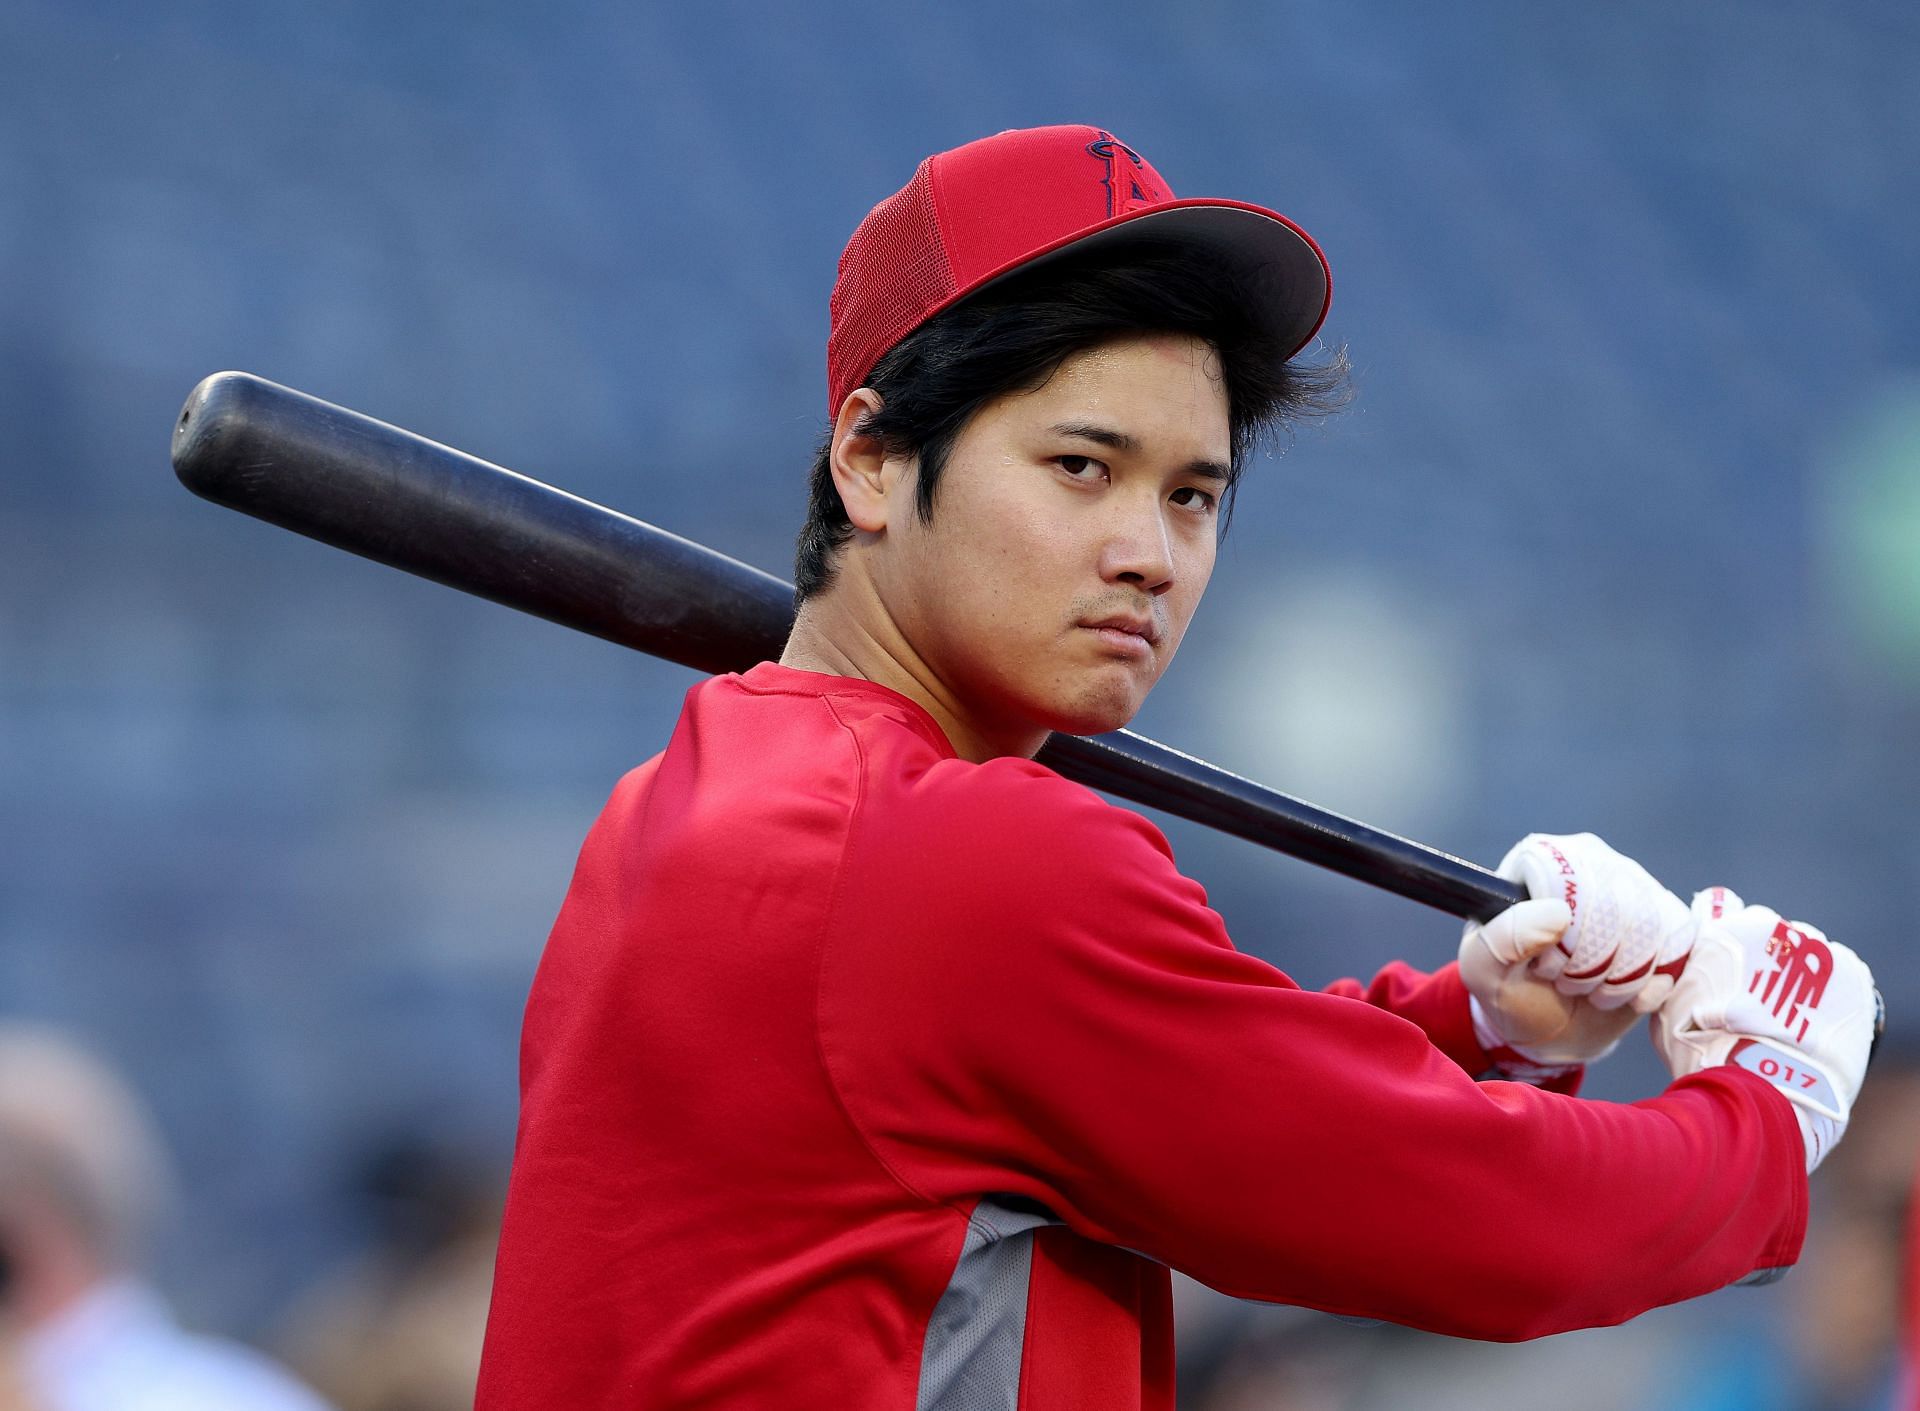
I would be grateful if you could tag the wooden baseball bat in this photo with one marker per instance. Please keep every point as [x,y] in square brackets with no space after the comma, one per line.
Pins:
[348,480]
[359,484]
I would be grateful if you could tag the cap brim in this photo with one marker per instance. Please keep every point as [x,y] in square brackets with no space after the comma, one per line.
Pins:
[1261,245]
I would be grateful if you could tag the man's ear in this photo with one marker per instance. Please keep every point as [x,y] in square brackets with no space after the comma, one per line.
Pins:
[859,462]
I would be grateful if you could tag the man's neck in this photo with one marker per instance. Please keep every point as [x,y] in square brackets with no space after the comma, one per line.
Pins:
[829,637]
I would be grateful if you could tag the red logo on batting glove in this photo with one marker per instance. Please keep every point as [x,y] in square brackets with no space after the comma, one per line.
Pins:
[1803,963]
[1570,894]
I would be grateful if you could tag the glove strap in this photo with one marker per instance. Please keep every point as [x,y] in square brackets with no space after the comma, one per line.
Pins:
[1797,1077]
[1509,1063]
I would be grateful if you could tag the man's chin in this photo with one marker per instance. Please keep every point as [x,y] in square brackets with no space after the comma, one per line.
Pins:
[1095,715]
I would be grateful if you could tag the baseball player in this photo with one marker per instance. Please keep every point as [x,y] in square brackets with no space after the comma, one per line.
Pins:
[872,1066]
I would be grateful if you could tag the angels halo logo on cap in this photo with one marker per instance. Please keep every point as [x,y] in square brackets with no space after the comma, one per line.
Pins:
[1130,182]
[979,212]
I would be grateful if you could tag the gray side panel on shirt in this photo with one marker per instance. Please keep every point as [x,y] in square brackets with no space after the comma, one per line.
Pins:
[971,1360]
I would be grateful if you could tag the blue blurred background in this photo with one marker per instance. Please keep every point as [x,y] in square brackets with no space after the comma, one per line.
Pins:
[1622,531]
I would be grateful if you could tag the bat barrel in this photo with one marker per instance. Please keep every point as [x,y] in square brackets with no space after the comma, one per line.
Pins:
[376,490]
[386,494]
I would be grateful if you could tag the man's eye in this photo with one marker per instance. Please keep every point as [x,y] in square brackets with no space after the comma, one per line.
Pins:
[1079,467]
[1195,499]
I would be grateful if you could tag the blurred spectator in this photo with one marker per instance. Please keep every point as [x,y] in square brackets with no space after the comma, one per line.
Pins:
[1837,1345]
[399,1327]
[1845,1329]
[13,1395]
[83,1181]
[1908,1396]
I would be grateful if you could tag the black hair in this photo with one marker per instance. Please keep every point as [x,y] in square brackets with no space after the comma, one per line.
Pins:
[1012,337]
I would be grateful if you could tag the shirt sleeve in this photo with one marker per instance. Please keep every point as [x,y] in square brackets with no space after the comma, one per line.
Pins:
[1021,994]
[1438,1004]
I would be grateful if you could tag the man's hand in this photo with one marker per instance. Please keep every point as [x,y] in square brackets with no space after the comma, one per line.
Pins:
[1630,936]
[1557,979]
[1780,1000]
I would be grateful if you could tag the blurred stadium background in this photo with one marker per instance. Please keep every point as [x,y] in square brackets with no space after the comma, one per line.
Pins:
[1622,531]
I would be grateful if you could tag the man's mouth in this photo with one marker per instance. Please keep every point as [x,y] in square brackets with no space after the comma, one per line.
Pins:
[1126,633]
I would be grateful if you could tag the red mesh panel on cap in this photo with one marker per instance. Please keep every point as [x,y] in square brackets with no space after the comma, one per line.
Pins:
[893,270]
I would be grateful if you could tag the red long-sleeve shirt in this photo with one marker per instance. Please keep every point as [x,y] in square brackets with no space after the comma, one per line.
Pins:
[858,1076]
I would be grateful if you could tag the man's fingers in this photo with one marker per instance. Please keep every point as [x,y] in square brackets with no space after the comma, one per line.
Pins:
[1653,994]
[1525,929]
[1540,864]
[1717,903]
[1532,1014]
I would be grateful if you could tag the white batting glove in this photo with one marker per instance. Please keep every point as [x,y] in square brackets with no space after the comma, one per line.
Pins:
[1629,938]
[1558,979]
[1532,1032]
[1780,1000]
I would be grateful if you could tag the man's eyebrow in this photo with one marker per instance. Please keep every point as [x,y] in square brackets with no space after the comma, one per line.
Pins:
[1121,441]
[1098,434]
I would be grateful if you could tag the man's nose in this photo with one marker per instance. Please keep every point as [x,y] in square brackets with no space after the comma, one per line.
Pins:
[1138,549]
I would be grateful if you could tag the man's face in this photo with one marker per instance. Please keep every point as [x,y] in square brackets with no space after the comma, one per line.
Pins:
[1073,533]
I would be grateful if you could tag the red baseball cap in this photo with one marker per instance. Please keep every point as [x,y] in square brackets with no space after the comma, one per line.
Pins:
[1007,202]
